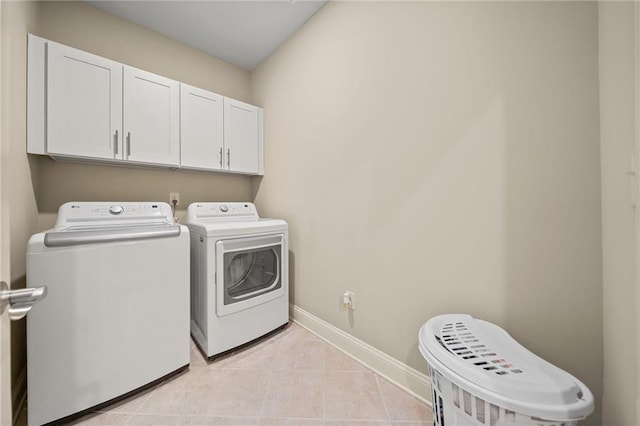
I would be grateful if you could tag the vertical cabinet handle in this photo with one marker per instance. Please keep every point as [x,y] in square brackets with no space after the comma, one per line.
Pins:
[128,144]
[115,145]
[228,157]
[220,157]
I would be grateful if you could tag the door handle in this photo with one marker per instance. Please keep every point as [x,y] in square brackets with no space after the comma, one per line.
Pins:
[128,144]
[19,301]
[116,144]
[228,157]
[221,157]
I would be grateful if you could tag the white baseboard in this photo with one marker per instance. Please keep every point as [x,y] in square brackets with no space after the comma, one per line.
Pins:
[407,378]
[19,393]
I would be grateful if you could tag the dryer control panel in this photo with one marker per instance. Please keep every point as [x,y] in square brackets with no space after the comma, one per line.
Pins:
[222,212]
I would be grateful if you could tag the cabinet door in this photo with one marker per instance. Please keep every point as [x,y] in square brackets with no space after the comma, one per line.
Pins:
[241,137]
[84,104]
[151,118]
[200,128]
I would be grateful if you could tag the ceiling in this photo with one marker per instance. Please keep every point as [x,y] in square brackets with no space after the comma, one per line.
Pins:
[242,32]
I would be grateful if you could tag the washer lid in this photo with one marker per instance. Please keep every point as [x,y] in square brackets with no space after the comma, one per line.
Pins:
[483,359]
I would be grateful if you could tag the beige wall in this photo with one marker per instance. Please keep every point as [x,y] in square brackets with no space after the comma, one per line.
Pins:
[617,130]
[442,157]
[85,27]
[23,210]
[18,202]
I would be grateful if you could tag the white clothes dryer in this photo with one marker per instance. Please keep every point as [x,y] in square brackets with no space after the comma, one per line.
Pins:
[239,275]
[116,317]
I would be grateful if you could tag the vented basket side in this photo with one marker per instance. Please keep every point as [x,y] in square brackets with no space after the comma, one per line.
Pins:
[456,406]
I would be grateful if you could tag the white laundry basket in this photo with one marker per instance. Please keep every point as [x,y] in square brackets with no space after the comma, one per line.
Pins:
[481,376]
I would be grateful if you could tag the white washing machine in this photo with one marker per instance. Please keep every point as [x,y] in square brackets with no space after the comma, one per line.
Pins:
[116,317]
[239,275]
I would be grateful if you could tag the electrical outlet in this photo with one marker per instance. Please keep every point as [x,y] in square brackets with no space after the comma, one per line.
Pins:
[349,299]
[174,196]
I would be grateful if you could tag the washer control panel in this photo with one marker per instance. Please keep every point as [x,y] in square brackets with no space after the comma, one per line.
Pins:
[99,213]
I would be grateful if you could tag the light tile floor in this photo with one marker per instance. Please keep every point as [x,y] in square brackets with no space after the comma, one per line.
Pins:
[291,378]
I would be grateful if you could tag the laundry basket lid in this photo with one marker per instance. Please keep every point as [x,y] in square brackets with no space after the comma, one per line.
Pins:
[483,359]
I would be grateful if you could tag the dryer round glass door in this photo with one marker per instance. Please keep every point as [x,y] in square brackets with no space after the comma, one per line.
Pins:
[248,272]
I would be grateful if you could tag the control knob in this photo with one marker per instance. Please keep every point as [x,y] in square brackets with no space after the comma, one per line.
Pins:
[116,209]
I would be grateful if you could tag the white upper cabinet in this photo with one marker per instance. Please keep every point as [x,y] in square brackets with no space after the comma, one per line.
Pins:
[83,104]
[88,108]
[219,133]
[242,137]
[201,130]
[151,118]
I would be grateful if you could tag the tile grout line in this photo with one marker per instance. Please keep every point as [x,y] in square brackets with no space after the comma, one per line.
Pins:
[384,402]
[269,385]
[148,397]
[129,417]
[129,414]
[193,419]
[200,407]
